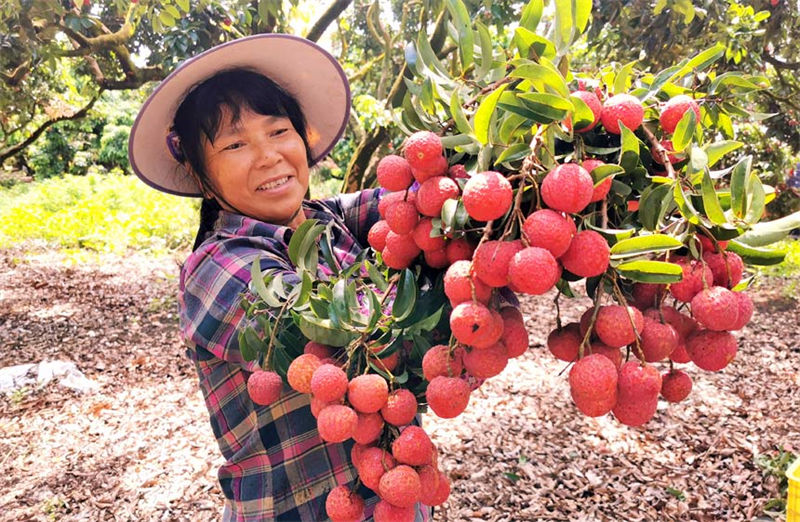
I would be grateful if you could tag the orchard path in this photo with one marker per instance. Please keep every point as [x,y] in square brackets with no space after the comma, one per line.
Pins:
[141,447]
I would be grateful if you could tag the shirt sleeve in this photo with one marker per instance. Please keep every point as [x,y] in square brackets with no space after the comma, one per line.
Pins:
[213,281]
[359,210]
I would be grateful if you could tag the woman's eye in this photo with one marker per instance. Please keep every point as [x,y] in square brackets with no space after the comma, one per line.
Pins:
[234,146]
[278,132]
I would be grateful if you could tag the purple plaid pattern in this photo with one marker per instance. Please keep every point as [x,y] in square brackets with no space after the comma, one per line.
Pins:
[277,467]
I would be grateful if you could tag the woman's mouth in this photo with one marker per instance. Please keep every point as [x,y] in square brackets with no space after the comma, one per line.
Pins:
[273,184]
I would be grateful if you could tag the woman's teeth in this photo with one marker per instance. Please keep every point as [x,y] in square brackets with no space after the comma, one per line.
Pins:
[273,184]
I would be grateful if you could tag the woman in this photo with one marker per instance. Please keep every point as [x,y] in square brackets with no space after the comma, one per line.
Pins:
[240,125]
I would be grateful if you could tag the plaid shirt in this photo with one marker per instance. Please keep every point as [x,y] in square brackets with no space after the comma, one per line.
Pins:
[277,467]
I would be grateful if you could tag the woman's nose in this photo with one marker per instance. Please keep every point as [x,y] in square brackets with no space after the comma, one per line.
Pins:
[268,155]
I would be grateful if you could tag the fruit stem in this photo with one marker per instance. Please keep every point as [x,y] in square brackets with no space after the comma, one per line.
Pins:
[660,151]
[558,310]
[598,296]
[271,345]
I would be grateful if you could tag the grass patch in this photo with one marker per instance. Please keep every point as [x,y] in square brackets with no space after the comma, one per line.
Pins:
[791,264]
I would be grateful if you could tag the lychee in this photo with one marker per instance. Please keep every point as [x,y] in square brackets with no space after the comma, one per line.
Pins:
[448,397]
[373,463]
[368,393]
[727,268]
[413,447]
[439,361]
[389,198]
[745,310]
[394,173]
[402,245]
[674,109]
[457,171]
[716,308]
[386,361]
[329,383]
[323,351]
[459,249]
[711,350]
[488,362]
[395,261]
[423,239]
[591,100]
[433,193]
[422,150]
[337,423]
[264,388]
[436,258]
[515,335]
[400,486]
[593,385]
[344,505]
[622,107]
[676,385]
[601,189]
[550,230]
[659,339]
[429,480]
[442,492]
[437,168]
[708,245]
[533,271]
[368,428]
[487,196]
[565,343]
[615,325]
[402,217]
[317,406]
[386,512]
[567,188]
[458,284]
[637,393]
[672,156]
[491,260]
[696,276]
[301,370]
[473,324]
[400,408]
[647,295]
[614,354]
[588,254]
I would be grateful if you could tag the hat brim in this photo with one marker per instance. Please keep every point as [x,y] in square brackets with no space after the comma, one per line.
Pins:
[301,67]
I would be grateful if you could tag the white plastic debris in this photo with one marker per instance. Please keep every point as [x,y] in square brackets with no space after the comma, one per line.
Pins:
[66,373]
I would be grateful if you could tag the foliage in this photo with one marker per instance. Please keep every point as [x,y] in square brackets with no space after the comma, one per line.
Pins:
[790,267]
[775,464]
[102,212]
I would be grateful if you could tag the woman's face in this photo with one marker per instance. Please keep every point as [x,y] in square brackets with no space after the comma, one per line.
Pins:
[259,167]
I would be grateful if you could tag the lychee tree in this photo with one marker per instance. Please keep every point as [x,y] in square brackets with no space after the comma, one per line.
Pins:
[519,176]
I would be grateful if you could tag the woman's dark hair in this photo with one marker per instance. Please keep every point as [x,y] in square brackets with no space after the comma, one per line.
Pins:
[199,117]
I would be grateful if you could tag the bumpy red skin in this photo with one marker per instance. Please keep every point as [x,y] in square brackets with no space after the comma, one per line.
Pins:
[614,354]
[344,505]
[329,383]
[402,245]
[429,480]
[443,491]
[708,245]
[473,324]
[386,512]
[533,271]
[585,321]
[448,397]
[300,372]
[487,196]
[437,168]
[567,188]
[491,260]
[395,261]
[622,107]
[646,295]
[716,308]
[369,428]
[457,284]
[402,217]
[637,393]
[726,267]
[400,486]
[614,325]
[486,363]
[433,193]
[439,361]
[674,109]
[400,408]
[710,350]
[436,258]
[317,406]
[676,385]
[694,272]
[593,385]
[658,340]
[422,236]
[590,99]
[565,343]
[684,326]
[323,351]
[337,423]
[394,173]
[588,254]
[457,171]
[368,393]
[459,249]
[745,310]
[550,230]
[515,335]
[413,447]
[264,388]
[600,191]
[422,150]
[372,464]
[389,198]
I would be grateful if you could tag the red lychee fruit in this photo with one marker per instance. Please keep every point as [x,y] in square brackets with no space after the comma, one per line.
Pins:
[300,372]
[395,261]
[457,171]
[264,388]
[442,492]
[422,150]
[590,99]
[659,339]
[567,188]
[614,354]
[436,258]
[487,196]
[373,463]
[429,480]
[402,245]
[355,454]
[679,354]
[473,324]
[593,385]
[386,512]
[676,385]
[711,350]
[433,193]
[368,393]
[486,363]
[694,273]
[385,361]
[588,254]
[402,217]
[615,325]
[323,351]
[533,271]
[491,260]
[423,239]
[586,322]
[550,230]
[329,383]
[602,189]
[457,284]
[400,407]
[745,310]
[337,423]
[646,295]
[708,245]
[377,235]
[413,447]
[637,393]
[439,361]
[390,198]
[344,505]
[400,486]
[459,249]
[448,397]
[394,173]
[369,428]
[716,308]
[437,168]
[317,406]
[727,268]
[625,108]
[515,335]
[565,343]
[674,109]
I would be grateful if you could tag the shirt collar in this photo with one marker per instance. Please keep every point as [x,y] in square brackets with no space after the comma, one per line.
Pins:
[235,224]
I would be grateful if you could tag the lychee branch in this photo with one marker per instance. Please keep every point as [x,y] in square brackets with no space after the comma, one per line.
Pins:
[660,151]
[623,302]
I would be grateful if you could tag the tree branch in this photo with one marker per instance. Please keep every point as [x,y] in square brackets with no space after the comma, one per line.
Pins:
[327,18]
[778,64]
[13,79]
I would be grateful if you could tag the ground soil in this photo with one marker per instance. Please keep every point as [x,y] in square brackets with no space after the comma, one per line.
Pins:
[141,447]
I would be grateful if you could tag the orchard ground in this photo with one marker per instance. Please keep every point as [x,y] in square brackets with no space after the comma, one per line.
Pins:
[141,448]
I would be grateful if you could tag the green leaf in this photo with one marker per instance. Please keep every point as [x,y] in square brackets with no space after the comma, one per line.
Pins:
[768,232]
[651,271]
[376,277]
[629,153]
[466,38]
[166,19]
[701,61]
[711,204]
[248,352]
[530,43]
[582,10]
[684,131]
[308,251]
[462,124]
[487,55]
[582,116]
[339,303]
[756,256]
[685,206]
[257,278]
[322,331]
[184,5]
[531,14]
[715,151]
[756,198]
[513,153]
[739,176]
[653,205]
[305,290]
[172,10]
[406,295]
[319,307]
[547,105]
[564,27]
[601,172]
[428,57]
[483,115]
[297,239]
[644,245]
[661,79]
[542,73]
[622,81]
